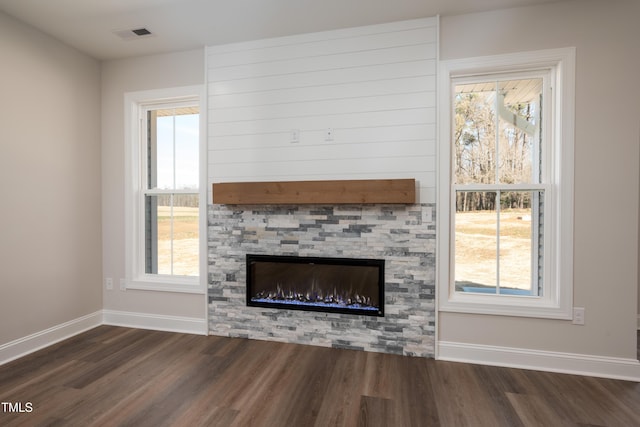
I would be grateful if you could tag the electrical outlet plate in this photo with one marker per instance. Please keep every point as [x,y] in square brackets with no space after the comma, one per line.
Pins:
[578,316]
[108,283]
[295,136]
[328,135]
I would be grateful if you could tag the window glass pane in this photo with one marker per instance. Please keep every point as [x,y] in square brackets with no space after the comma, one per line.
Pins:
[185,234]
[518,109]
[476,242]
[187,144]
[161,150]
[475,133]
[171,234]
[499,250]
[497,131]
[516,243]
[173,148]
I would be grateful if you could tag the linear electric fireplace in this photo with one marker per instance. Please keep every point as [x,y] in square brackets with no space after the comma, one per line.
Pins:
[340,285]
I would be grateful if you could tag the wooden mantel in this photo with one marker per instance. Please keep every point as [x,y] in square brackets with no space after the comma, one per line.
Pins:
[316,192]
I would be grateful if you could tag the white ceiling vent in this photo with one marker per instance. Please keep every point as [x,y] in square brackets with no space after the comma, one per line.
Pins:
[133,34]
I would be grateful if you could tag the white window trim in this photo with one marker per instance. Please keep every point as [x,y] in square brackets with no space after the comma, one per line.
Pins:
[135,276]
[557,301]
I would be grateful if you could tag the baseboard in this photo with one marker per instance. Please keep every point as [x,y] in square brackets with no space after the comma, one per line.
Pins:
[158,322]
[567,363]
[34,342]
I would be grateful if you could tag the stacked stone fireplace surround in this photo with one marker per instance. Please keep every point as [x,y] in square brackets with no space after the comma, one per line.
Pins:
[402,235]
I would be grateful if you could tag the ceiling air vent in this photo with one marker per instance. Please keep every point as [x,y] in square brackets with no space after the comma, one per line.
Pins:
[134,34]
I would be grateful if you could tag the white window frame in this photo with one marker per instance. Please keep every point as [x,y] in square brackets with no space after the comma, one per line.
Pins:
[557,296]
[136,103]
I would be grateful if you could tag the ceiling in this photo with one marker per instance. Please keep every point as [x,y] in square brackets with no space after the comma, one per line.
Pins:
[89,25]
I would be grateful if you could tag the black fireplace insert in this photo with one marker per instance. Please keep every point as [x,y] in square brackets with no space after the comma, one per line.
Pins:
[339,285]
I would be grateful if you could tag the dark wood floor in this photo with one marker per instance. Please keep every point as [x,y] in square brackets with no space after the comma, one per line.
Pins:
[113,376]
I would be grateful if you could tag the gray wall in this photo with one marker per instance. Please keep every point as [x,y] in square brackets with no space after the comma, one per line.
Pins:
[50,174]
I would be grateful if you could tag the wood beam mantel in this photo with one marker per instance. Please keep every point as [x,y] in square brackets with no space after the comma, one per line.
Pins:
[401,191]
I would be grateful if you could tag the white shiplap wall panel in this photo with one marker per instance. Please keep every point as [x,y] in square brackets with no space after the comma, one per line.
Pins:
[322,93]
[324,151]
[318,167]
[367,135]
[374,87]
[326,62]
[374,73]
[334,36]
[329,120]
[323,46]
[335,106]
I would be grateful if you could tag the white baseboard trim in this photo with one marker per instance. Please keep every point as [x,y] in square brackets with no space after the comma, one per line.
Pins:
[34,342]
[157,322]
[566,363]
[39,340]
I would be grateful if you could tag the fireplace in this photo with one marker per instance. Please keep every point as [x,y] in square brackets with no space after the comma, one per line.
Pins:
[339,285]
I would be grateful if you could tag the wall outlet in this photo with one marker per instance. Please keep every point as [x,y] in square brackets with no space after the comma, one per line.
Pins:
[295,136]
[578,316]
[123,285]
[328,135]
[108,283]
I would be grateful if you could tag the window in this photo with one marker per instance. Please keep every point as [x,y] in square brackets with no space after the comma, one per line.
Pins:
[164,182]
[499,183]
[506,186]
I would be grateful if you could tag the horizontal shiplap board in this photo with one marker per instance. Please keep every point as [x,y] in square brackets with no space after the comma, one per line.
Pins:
[422,177]
[336,121]
[416,68]
[336,36]
[423,133]
[331,62]
[383,165]
[320,108]
[323,93]
[322,48]
[327,151]
[374,87]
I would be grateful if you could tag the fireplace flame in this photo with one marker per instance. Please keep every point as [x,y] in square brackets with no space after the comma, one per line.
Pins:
[314,295]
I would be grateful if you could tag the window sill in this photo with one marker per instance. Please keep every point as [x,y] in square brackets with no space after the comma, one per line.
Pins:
[189,285]
[518,306]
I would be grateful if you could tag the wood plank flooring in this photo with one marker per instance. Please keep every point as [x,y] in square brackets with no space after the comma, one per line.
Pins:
[112,376]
